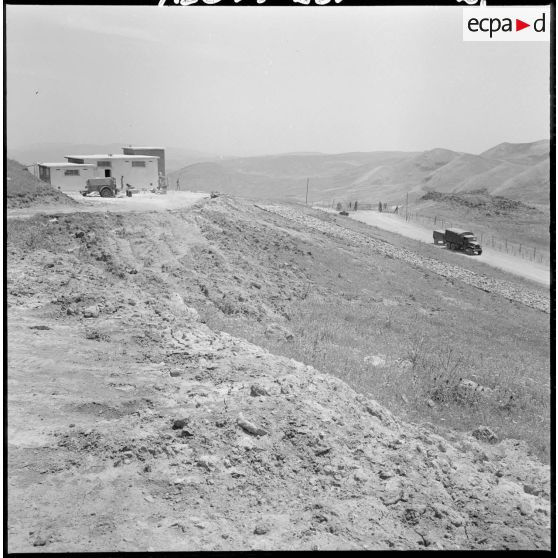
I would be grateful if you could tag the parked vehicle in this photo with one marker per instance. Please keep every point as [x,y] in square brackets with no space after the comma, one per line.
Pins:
[457,239]
[105,187]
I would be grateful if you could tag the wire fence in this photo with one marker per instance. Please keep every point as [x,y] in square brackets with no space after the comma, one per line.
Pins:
[518,249]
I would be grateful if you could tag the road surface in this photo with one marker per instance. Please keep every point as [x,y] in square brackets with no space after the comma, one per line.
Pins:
[387,221]
[143,201]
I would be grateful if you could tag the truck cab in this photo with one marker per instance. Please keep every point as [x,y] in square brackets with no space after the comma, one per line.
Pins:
[456,239]
[472,244]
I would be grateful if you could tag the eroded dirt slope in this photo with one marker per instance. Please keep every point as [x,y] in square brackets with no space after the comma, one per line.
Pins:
[25,190]
[133,426]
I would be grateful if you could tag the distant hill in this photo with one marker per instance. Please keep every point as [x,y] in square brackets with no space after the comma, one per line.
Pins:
[519,171]
[175,157]
[521,153]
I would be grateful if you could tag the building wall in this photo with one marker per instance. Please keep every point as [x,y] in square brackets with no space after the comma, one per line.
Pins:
[156,152]
[125,172]
[70,183]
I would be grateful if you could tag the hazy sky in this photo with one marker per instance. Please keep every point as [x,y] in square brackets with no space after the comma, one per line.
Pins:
[256,80]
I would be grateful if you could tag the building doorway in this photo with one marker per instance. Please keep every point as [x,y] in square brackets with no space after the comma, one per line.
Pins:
[107,173]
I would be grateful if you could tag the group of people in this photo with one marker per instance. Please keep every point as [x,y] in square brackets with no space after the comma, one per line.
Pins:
[351,206]
[384,207]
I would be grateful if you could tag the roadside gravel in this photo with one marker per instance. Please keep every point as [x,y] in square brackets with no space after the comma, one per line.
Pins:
[507,289]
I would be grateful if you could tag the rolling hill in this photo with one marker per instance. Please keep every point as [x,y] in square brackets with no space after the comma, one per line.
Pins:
[175,157]
[518,171]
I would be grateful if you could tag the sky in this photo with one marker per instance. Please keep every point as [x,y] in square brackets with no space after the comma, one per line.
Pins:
[249,80]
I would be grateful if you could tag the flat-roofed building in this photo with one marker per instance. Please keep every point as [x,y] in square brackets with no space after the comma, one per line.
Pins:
[141,150]
[66,176]
[140,171]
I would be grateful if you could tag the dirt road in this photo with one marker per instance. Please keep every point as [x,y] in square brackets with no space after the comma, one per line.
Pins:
[145,201]
[518,266]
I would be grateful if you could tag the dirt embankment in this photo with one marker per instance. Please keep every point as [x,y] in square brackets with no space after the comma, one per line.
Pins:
[24,190]
[133,426]
[507,289]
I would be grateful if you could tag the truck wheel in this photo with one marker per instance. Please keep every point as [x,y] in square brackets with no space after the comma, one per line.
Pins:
[106,193]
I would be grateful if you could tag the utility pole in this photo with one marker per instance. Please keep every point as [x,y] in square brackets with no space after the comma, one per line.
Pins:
[407,208]
[307,182]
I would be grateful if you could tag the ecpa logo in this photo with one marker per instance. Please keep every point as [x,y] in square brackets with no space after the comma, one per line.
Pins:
[506,24]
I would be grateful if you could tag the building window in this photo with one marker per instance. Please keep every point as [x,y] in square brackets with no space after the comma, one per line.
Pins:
[71,172]
[104,164]
[74,160]
[138,163]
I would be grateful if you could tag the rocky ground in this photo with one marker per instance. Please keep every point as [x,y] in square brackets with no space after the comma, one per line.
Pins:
[134,426]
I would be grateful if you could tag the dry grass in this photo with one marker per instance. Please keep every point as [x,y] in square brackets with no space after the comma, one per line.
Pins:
[411,356]
[418,376]
[388,329]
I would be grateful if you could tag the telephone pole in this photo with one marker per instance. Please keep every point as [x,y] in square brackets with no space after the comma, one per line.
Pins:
[307,182]
[407,208]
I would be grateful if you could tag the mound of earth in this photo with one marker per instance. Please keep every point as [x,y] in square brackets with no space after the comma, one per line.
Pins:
[24,190]
[134,426]
[480,200]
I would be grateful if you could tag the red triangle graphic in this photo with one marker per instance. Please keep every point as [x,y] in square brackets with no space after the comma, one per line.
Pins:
[519,25]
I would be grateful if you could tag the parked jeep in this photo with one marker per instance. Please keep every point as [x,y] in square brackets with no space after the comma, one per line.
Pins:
[105,187]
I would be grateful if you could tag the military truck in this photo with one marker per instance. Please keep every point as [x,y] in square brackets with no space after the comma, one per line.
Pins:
[105,187]
[457,239]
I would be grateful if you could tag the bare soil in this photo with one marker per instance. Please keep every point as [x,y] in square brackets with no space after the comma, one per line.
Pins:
[24,190]
[132,425]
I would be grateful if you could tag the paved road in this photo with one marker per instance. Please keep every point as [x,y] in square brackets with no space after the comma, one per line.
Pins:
[507,262]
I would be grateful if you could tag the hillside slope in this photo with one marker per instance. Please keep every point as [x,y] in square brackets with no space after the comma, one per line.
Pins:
[194,404]
[521,153]
[513,170]
[24,190]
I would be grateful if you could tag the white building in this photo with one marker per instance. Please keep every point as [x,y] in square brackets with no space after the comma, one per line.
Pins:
[140,171]
[68,177]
